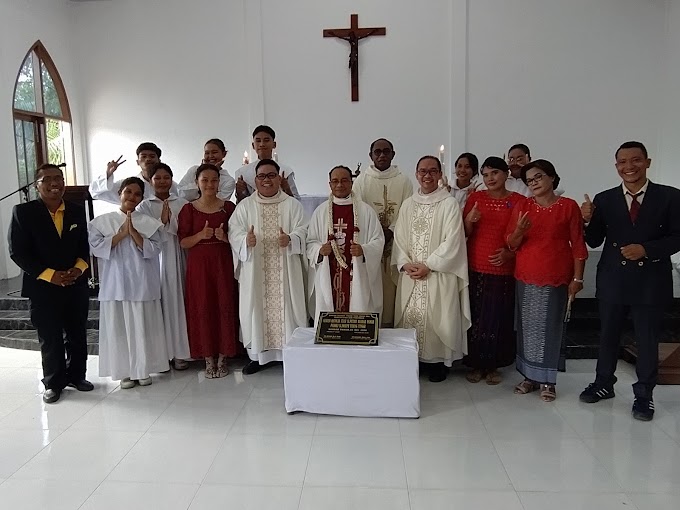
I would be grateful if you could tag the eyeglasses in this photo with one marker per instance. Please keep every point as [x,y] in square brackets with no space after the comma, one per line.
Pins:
[335,182]
[270,176]
[432,173]
[59,179]
[378,152]
[536,179]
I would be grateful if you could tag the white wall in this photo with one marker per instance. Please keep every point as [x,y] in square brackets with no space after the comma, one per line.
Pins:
[22,23]
[669,153]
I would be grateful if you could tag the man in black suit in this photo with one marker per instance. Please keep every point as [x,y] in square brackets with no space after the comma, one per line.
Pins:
[48,240]
[639,223]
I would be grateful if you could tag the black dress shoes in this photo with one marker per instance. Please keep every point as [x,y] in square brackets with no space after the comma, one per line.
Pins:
[252,368]
[82,385]
[51,396]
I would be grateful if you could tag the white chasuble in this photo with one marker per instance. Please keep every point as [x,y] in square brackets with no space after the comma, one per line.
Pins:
[271,279]
[430,231]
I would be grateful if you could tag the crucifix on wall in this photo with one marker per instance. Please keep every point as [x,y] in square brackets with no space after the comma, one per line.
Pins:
[353,35]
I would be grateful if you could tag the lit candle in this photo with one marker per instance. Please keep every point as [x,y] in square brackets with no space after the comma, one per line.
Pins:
[275,157]
[245,158]
[441,154]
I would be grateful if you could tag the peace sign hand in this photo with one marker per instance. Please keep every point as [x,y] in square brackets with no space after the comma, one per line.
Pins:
[112,166]
[523,223]
[285,185]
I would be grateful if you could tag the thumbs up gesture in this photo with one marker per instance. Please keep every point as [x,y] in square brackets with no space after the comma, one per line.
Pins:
[355,249]
[207,232]
[587,209]
[251,240]
[326,249]
[284,239]
[285,185]
[241,187]
[220,234]
[474,215]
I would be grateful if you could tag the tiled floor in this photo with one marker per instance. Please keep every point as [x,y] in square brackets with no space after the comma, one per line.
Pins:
[190,443]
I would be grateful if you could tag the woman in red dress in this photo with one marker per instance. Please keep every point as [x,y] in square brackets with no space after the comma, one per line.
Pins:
[211,298]
[491,339]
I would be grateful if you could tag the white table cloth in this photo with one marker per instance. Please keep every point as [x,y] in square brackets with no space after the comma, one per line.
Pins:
[311,202]
[348,380]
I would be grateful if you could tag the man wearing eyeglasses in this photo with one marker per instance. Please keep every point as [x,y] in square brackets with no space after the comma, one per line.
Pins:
[48,241]
[344,247]
[384,187]
[267,233]
[431,257]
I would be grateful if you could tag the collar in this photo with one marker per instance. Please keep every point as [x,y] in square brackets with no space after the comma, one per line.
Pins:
[343,201]
[642,190]
[432,198]
[392,171]
[279,197]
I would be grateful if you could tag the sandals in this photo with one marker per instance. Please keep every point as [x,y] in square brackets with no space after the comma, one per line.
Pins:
[210,368]
[474,376]
[493,378]
[222,369]
[548,393]
[526,386]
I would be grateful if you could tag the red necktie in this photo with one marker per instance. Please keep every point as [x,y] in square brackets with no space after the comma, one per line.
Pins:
[634,206]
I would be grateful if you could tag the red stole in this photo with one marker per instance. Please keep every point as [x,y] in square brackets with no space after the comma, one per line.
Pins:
[343,228]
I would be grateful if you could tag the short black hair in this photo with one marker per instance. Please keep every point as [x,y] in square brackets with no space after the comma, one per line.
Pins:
[131,180]
[351,175]
[472,159]
[381,140]
[149,146]
[206,166]
[542,164]
[633,145]
[218,142]
[439,163]
[264,129]
[47,166]
[269,162]
[496,163]
[524,148]
[160,166]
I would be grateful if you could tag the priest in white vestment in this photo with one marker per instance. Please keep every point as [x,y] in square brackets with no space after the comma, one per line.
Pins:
[384,188]
[267,234]
[264,143]
[431,256]
[127,245]
[345,244]
[166,207]
[105,188]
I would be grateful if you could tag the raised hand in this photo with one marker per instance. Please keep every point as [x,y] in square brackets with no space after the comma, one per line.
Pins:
[220,234]
[207,232]
[285,185]
[241,186]
[166,213]
[587,209]
[523,223]
[474,215]
[355,249]
[284,239]
[112,166]
[251,240]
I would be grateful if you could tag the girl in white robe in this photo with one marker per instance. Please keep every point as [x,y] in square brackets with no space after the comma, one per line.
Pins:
[467,178]
[166,207]
[127,245]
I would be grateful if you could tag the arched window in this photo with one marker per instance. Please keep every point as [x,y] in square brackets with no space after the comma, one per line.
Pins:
[42,118]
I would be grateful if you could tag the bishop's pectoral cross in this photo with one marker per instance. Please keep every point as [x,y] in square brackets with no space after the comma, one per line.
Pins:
[353,35]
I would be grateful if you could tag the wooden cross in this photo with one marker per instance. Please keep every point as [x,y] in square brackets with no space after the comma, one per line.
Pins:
[353,35]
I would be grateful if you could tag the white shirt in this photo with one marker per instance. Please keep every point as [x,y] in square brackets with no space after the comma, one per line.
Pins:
[248,173]
[188,189]
[641,194]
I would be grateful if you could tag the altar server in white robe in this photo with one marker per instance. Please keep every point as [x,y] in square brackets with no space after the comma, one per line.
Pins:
[166,207]
[431,257]
[214,152]
[384,187]
[267,233]
[345,244]
[127,245]
[264,143]
[105,188]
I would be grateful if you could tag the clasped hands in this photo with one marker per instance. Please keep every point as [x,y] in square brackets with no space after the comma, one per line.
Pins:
[66,278]
[416,270]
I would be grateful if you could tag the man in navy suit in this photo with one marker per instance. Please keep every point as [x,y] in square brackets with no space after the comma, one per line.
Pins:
[639,224]
[48,240]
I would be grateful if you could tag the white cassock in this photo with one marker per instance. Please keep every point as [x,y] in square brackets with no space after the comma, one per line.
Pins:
[131,332]
[188,189]
[366,284]
[248,173]
[271,279]
[385,191]
[430,231]
[107,189]
[173,273]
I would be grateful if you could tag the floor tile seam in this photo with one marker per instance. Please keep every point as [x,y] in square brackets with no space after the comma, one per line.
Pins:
[37,453]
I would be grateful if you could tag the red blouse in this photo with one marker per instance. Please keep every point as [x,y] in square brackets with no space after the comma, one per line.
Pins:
[489,232]
[551,244]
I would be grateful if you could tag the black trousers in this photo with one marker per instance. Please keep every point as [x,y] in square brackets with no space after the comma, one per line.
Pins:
[647,327]
[60,317]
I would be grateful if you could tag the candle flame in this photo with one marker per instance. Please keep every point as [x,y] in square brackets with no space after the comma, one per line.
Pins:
[441,149]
